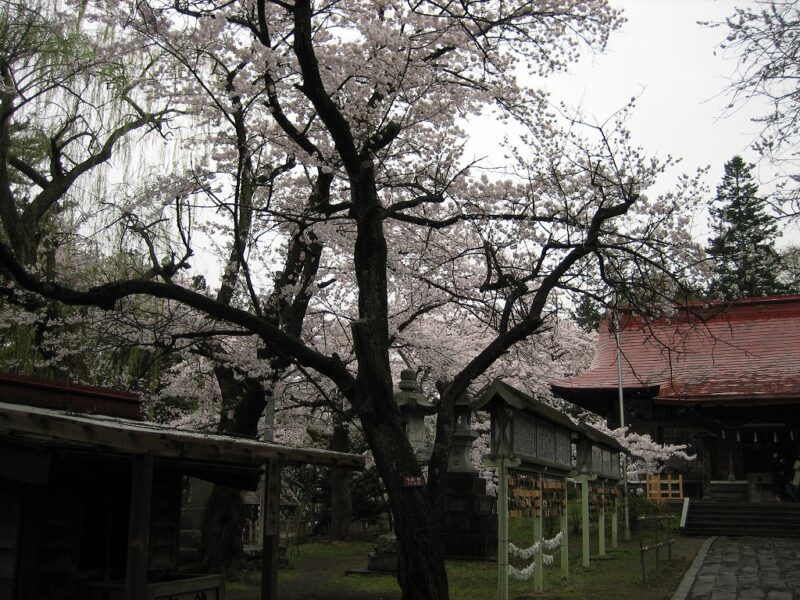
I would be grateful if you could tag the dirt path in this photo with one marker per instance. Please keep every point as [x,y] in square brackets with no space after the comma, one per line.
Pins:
[315,579]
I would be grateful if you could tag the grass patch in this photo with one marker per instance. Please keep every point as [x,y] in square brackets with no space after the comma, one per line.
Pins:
[318,574]
[334,549]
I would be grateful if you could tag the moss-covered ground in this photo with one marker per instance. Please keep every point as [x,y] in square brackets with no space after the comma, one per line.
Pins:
[317,571]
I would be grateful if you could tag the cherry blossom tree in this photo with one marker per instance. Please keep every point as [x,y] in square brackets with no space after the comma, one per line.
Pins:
[763,36]
[646,456]
[321,161]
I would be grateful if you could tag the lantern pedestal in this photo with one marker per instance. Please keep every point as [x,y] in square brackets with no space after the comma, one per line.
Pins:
[383,558]
[469,528]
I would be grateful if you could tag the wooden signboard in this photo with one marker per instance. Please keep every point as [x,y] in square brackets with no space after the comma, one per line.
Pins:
[533,496]
[531,447]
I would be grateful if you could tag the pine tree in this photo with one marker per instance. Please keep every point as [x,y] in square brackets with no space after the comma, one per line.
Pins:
[588,313]
[745,261]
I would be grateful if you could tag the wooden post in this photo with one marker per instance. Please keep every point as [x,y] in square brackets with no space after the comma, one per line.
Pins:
[139,527]
[601,523]
[502,530]
[565,532]
[270,505]
[538,534]
[615,520]
[585,525]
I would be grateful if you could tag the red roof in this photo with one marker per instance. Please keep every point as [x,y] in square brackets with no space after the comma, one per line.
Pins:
[33,391]
[748,349]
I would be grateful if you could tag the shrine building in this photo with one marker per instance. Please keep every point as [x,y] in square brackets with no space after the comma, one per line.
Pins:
[92,494]
[723,378]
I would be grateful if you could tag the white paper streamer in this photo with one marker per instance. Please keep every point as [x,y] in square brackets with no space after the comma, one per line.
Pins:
[524,554]
[522,575]
[525,574]
[537,547]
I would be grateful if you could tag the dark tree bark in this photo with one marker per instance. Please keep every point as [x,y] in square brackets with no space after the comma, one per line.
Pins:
[223,522]
[224,517]
[421,571]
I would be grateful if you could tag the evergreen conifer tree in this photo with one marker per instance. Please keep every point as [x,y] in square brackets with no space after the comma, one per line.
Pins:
[588,313]
[745,261]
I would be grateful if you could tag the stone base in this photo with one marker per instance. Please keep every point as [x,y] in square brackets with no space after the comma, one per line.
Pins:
[469,528]
[470,545]
[383,558]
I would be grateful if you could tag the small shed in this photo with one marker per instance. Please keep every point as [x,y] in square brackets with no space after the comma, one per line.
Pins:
[599,453]
[91,500]
[527,429]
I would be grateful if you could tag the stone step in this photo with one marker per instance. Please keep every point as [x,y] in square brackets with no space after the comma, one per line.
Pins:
[750,524]
[760,532]
[743,519]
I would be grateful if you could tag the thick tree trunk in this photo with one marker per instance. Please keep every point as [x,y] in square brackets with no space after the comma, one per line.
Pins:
[421,571]
[223,522]
[224,517]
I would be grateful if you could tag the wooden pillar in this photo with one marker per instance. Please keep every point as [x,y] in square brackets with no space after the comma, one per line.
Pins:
[139,527]
[601,523]
[615,519]
[585,524]
[502,530]
[565,532]
[538,535]
[270,506]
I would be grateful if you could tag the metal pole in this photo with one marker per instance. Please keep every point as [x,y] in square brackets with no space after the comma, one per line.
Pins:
[627,533]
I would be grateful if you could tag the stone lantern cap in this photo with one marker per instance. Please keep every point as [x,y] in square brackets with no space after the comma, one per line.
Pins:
[410,398]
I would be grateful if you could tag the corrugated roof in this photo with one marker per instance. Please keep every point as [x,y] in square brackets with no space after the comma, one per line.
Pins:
[717,353]
[58,428]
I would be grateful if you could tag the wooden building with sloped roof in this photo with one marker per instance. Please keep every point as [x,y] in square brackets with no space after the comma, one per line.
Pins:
[91,494]
[722,377]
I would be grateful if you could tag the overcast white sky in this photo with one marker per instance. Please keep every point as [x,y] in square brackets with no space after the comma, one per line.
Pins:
[663,57]
[676,69]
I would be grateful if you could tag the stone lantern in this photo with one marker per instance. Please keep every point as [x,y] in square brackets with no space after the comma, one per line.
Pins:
[413,406]
[460,460]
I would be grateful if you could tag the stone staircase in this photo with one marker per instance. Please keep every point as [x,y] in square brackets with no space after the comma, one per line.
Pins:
[731,518]
[729,491]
